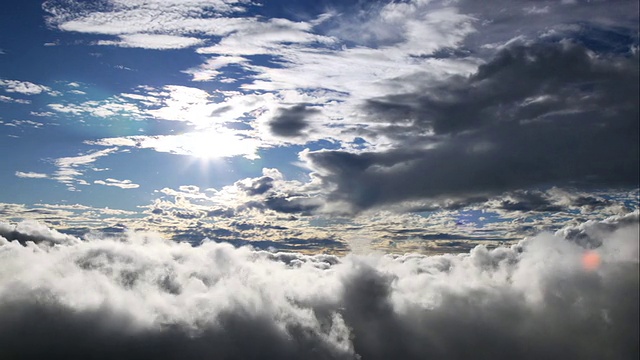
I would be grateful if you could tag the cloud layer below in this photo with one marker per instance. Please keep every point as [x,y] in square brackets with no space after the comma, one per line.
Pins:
[138,296]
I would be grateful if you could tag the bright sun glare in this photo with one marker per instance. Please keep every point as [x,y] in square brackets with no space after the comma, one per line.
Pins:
[214,144]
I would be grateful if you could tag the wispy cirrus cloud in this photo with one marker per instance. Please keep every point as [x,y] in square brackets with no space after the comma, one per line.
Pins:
[70,169]
[122,184]
[31,175]
[153,41]
[151,25]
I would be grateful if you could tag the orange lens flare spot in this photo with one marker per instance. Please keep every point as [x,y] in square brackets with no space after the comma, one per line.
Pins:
[591,260]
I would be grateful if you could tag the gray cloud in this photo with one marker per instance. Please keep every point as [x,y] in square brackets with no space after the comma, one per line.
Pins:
[524,20]
[257,186]
[534,115]
[592,234]
[289,122]
[31,231]
[138,296]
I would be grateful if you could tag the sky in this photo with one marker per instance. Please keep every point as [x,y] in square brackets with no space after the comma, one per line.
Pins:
[324,180]
[424,126]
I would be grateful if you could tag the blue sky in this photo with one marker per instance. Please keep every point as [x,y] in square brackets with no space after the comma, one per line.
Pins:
[412,125]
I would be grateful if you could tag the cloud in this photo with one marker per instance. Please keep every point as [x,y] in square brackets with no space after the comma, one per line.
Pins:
[210,144]
[518,122]
[105,108]
[211,68]
[138,296]
[123,184]
[9,99]
[152,41]
[267,37]
[71,168]
[35,232]
[412,27]
[31,175]
[578,20]
[290,122]
[140,19]
[592,234]
[25,87]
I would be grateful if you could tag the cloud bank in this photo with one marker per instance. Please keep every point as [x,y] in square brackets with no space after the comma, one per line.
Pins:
[138,296]
[516,123]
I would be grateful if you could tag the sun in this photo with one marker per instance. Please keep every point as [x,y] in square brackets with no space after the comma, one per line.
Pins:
[216,144]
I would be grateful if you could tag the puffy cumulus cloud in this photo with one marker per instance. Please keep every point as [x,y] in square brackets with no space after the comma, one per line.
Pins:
[9,99]
[266,212]
[138,296]
[34,232]
[534,115]
[272,192]
[592,234]
[25,87]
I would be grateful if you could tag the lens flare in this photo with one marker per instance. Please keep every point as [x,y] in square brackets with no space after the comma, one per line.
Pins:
[591,260]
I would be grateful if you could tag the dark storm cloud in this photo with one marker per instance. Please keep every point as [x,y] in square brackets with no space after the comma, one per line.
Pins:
[532,83]
[285,204]
[534,115]
[529,201]
[289,122]
[599,25]
[142,297]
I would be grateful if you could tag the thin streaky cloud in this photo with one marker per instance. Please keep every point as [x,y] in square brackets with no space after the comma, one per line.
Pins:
[31,175]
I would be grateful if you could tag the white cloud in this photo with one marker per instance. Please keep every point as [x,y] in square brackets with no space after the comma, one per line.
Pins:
[31,175]
[153,41]
[8,99]
[71,168]
[209,144]
[25,123]
[139,296]
[41,113]
[106,108]
[210,69]
[144,24]
[123,184]
[25,87]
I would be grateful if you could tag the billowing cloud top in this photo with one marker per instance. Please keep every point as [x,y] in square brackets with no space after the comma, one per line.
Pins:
[138,296]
